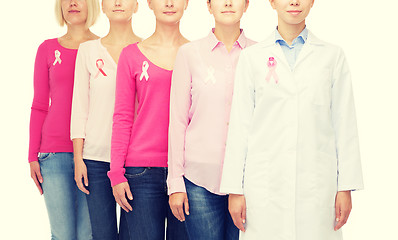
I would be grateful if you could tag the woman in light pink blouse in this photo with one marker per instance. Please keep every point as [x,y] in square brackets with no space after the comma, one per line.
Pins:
[50,148]
[138,167]
[201,96]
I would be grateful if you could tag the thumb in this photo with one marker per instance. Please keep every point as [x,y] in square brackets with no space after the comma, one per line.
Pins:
[244,213]
[38,174]
[186,205]
[338,212]
[128,192]
[85,179]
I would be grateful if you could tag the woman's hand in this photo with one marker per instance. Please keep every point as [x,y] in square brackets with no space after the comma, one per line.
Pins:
[178,202]
[119,192]
[81,175]
[237,209]
[35,174]
[343,206]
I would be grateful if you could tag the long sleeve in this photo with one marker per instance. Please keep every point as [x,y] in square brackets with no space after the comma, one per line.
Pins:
[345,127]
[243,104]
[40,103]
[180,103]
[81,96]
[123,118]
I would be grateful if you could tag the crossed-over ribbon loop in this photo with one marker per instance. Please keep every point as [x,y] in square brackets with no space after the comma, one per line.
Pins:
[100,65]
[272,67]
[144,74]
[210,75]
[57,57]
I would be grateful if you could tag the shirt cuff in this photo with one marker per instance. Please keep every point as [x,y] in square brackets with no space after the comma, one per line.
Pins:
[176,185]
[117,176]
[231,190]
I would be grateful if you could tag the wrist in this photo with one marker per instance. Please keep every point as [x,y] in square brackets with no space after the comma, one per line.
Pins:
[78,159]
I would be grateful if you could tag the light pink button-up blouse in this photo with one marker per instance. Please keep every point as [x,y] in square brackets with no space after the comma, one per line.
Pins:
[201,96]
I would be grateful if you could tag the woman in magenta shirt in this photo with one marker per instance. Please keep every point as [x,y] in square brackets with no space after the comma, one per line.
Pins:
[50,148]
[200,104]
[138,167]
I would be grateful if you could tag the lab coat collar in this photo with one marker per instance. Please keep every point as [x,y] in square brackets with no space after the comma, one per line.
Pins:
[312,40]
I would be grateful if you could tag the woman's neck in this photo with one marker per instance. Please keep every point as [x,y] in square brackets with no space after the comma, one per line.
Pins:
[290,31]
[78,33]
[228,35]
[166,35]
[121,34]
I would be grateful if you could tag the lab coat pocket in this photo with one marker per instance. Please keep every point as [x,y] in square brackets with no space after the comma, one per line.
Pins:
[320,87]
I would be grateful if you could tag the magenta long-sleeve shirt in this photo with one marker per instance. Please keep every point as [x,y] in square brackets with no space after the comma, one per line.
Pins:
[51,107]
[141,114]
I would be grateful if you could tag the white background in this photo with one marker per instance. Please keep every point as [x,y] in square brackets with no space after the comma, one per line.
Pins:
[367,31]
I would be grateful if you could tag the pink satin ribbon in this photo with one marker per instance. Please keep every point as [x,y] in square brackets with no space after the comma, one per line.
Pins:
[272,67]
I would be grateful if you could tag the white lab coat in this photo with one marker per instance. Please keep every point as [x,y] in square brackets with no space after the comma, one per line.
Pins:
[292,144]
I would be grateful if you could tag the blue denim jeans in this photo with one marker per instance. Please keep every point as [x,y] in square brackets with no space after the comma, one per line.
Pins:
[66,204]
[101,203]
[150,206]
[208,218]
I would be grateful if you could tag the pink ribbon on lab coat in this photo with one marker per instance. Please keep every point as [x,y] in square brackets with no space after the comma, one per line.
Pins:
[100,65]
[272,67]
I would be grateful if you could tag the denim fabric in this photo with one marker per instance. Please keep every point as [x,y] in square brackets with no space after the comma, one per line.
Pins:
[150,206]
[101,203]
[66,204]
[208,218]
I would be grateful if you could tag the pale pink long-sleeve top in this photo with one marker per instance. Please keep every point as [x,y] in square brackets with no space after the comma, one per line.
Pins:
[141,114]
[52,101]
[200,103]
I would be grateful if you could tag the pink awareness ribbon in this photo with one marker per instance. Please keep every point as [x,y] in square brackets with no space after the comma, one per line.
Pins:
[57,57]
[272,67]
[100,65]
[144,74]
[210,75]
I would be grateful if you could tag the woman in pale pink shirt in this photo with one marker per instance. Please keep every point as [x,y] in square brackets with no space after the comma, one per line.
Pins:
[201,96]
[50,148]
[92,111]
[138,167]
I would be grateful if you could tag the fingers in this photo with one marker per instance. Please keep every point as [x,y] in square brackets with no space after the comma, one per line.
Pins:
[244,214]
[238,221]
[177,210]
[35,174]
[119,192]
[37,178]
[186,205]
[342,218]
[125,204]
[119,201]
[79,183]
[177,202]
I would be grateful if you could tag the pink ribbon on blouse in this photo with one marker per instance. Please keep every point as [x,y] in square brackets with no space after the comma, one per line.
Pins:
[100,65]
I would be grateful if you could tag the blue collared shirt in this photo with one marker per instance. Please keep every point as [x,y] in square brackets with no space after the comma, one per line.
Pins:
[291,52]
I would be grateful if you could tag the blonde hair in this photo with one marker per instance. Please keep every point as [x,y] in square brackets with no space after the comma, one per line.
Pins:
[93,11]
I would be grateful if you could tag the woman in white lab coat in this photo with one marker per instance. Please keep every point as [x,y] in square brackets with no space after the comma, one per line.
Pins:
[292,155]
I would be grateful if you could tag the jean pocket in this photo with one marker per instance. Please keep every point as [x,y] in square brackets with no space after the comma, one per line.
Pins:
[44,156]
[133,172]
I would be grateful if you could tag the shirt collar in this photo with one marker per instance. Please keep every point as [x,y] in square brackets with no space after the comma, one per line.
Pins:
[303,36]
[214,42]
